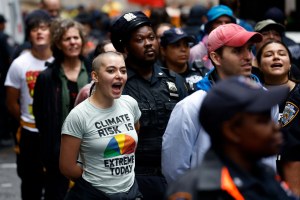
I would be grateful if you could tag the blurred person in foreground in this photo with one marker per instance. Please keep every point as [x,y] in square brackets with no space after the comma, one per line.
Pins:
[54,97]
[20,88]
[242,132]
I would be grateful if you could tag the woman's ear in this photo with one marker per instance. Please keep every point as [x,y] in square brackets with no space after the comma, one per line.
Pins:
[94,76]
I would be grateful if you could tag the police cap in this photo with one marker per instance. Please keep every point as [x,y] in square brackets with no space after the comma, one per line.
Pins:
[124,25]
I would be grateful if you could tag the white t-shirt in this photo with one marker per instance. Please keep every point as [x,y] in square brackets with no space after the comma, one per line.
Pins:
[108,142]
[22,75]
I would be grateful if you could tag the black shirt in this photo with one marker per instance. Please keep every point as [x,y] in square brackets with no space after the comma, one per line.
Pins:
[73,91]
[205,182]
[156,99]
[290,122]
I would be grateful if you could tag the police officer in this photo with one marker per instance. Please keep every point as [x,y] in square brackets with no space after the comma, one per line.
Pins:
[175,51]
[241,131]
[156,90]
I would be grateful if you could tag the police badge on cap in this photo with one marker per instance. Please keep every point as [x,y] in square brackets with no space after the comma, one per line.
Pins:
[124,25]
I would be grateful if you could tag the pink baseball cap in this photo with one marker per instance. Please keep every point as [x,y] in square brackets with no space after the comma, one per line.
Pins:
[231,35]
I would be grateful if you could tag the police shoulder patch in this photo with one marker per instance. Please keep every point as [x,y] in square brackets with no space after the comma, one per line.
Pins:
[289,113]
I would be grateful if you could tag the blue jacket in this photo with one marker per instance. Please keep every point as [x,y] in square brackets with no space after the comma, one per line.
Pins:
[211,77]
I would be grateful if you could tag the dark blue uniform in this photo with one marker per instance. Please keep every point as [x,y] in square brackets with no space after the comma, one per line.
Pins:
[219,178]
[156,99]
[290,126]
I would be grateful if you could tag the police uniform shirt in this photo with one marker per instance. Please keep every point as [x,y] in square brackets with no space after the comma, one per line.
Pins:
[290,120]
[261,184]
[156,99]
[192,76]
[206,182]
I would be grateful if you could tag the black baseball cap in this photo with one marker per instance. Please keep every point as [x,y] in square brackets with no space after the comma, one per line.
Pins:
[234,95]
[121,29]
[2,19]
[173,35]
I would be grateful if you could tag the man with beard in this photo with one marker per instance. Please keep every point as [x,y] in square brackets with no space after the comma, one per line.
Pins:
[156,90]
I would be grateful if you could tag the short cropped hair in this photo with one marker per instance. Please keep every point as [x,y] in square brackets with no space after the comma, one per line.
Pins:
[98,61]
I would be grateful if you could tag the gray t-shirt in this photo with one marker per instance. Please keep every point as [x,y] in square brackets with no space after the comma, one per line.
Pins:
[108,142]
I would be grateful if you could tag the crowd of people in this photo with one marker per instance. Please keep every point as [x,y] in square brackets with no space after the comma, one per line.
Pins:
[132,105]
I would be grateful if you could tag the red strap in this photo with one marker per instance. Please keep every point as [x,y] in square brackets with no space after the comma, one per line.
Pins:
[228,185]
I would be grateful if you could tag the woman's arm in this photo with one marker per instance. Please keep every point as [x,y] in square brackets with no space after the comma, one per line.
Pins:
[69,151]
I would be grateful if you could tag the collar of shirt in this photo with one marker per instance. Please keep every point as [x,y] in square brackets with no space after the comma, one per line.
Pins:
[157,73]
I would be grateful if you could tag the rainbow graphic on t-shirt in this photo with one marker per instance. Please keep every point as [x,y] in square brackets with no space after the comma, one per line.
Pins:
[119,145]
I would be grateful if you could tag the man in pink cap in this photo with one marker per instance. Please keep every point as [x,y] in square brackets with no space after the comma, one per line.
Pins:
[185,141]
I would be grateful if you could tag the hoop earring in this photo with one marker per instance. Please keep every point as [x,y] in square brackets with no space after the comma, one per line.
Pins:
[92,88]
